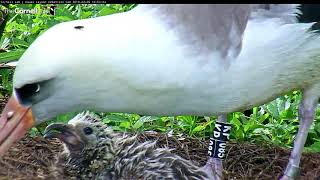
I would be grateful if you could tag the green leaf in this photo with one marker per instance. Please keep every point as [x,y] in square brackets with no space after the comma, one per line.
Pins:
[315,147]
[138,124]
[85,15]
[11,56]
[317,127]
[149,118]
[273,109]
[198,128]
[235,122]
[115,118]
[19,42]
[144,119]
[125,124]
[106,11]
[64,18]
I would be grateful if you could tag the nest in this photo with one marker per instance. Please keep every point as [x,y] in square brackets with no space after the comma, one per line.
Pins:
[33,157]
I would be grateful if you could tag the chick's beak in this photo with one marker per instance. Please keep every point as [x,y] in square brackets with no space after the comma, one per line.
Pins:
[65,133]
[55,130]
[15,121]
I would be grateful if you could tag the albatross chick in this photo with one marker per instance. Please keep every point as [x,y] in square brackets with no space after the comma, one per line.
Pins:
[92,150]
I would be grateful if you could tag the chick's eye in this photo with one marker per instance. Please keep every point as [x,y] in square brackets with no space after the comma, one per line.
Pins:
[87,130]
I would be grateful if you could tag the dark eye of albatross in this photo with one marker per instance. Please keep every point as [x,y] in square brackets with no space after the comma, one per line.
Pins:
[87,130]
[27,91]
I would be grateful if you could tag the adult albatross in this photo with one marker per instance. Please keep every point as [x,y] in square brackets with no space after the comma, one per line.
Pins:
[169,60]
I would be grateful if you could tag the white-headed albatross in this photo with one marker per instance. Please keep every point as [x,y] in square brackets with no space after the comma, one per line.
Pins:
[169,60]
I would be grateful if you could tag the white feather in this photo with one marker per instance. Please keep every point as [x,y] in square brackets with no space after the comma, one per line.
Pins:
[131,62]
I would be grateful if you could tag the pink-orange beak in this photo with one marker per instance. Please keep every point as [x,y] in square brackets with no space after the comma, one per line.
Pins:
[15,121]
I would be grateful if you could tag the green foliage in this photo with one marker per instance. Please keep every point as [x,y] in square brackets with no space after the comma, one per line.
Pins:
[5,81]
[11,55]
[22,29]
[275,122]
[191,125]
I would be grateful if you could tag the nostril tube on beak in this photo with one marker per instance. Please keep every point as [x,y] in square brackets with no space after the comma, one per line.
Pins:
[10,114]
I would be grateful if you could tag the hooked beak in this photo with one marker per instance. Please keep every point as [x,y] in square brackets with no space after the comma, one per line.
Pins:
[15,121]
[65,133]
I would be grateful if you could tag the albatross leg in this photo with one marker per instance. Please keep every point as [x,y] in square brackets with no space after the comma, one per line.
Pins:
[214,166]
[306,115]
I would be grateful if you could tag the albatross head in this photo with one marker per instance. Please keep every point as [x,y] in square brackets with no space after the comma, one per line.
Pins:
[81,65]
[62,62]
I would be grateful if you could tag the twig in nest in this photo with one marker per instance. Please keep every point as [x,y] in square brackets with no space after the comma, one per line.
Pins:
[270,164]
[167,140]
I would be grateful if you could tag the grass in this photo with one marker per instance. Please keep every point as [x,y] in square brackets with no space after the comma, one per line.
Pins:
[275,122]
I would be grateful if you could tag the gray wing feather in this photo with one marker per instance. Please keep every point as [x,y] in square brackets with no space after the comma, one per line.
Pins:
[218,27]
[207,28]
[286,12]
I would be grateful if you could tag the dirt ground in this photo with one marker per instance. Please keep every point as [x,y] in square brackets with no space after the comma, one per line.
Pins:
[33,157]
